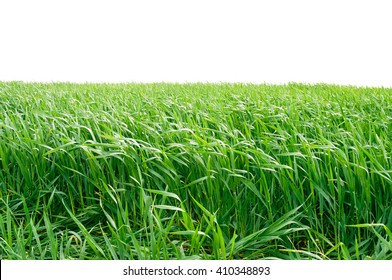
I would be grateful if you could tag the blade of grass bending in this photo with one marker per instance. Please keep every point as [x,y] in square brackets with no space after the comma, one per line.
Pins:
[94,246]
[273,231]
[167,207]
[163,193]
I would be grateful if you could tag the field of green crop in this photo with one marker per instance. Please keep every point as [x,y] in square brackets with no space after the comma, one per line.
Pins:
[195,171]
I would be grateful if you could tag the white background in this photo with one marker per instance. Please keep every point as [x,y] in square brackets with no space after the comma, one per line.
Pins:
[257,41]
[279,270]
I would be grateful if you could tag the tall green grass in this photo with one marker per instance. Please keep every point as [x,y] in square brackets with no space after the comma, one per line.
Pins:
[195,171]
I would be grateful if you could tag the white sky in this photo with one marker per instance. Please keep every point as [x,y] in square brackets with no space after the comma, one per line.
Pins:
[276,41]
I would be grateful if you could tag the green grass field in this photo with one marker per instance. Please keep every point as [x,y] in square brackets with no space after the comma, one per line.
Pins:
[195,171]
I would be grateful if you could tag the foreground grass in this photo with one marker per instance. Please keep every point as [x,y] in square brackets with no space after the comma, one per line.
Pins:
[195,171]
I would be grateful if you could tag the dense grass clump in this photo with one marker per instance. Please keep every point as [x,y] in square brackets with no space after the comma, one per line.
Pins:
[195,171]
